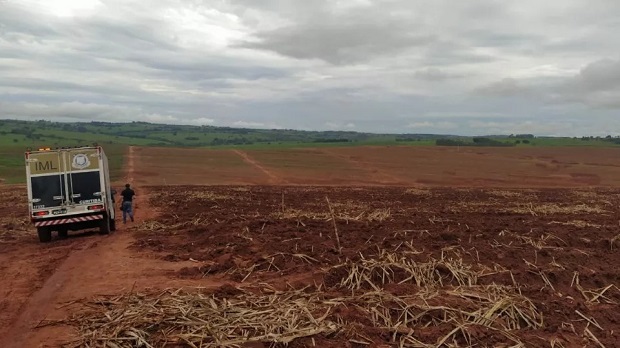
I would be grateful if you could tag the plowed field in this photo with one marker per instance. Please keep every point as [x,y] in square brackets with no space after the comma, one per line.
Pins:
[359,267]
[407,267]
[320,266]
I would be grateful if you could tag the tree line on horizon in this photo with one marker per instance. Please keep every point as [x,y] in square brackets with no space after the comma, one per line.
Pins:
[187,135]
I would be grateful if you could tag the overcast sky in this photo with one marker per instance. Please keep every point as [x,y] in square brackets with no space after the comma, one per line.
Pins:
[406,66]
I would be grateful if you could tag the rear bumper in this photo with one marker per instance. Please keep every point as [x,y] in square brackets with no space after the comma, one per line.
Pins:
[68,220]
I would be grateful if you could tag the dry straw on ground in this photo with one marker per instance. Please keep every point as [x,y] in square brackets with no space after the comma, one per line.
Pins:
[198,320]
[576,223]
[505,193]
[418,192]
[179,318]
[552,208]
[208,195]
[493,307]
[542,241]
[585,194]
[447,296]
[12,227]
[378,215]
[387,267]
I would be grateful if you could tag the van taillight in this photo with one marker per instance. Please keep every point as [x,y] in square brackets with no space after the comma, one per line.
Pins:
[95,207]
[41,213]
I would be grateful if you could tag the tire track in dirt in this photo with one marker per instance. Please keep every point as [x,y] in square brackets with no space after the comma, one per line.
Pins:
[375,174]
[27,266]
[101,265]
[77,275]
[130,165]
[273,178]
[141,199]
[41,302]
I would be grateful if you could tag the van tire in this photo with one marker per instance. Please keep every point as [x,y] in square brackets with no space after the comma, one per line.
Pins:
[112,225]
[45,234]
[104,227]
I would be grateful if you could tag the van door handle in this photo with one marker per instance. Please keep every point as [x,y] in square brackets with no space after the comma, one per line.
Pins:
[76,195]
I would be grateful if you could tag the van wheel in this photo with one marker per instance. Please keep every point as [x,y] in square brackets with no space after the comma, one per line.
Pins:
[104,227]
[112,225]
[45,234]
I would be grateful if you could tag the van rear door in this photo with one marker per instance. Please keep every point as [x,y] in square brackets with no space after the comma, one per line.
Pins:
[47,180]
[84,176]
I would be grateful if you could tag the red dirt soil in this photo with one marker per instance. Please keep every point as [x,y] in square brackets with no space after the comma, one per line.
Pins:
[188,236]
[522,234]
[39,278]
[554,232]
[383,165]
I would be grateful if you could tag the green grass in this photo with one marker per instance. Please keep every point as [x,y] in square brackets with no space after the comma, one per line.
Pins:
[60,139]
[56,137]
[568,142]
[13,166]
[116,159]
[42,133]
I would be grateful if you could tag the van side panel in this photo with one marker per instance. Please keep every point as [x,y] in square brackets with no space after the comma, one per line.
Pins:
[107,184]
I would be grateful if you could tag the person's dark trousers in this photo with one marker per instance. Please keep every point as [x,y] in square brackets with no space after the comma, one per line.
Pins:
[127,210]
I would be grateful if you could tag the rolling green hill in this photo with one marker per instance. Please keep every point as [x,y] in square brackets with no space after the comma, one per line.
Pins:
[45,133]
[16,136]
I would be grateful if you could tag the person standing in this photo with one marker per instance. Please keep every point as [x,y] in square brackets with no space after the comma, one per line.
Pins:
[127,204]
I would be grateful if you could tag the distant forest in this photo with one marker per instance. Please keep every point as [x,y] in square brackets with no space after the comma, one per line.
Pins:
[47,133]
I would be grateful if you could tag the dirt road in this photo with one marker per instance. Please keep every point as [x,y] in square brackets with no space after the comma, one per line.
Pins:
[273,178]
[41,281]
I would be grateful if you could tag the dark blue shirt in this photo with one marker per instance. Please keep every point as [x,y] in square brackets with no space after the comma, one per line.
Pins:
[128,195]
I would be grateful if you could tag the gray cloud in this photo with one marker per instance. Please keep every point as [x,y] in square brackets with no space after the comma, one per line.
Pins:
[434,74]
[596,85]
[340,42]
[368,65]
[75,111]
[601,75]
[507,87]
